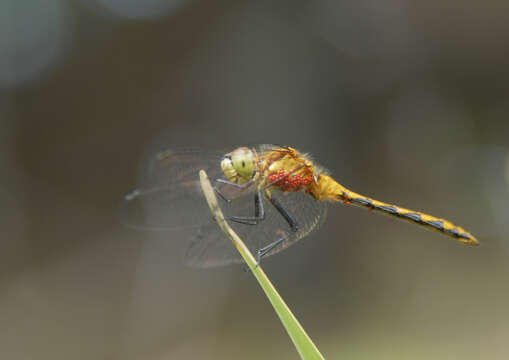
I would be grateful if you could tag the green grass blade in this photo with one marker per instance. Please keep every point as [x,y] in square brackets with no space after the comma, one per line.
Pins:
[303,343]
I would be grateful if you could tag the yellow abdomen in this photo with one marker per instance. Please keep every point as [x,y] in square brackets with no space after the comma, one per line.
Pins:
[327,188]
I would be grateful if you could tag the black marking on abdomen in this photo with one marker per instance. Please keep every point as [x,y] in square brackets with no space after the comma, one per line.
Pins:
[439,225]
[389,209]
[456,233]
[412,216]
[453,232]
[465,236]
[365,202]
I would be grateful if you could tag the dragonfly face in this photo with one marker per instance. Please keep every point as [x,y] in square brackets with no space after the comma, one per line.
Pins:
[239,166]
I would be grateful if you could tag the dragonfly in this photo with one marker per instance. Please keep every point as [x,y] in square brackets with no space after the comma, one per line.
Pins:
[272,196]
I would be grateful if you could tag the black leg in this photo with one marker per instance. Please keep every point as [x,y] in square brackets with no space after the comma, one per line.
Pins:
[241,187]
[266,249]
[294,227]
[221,195]
[258,216]
[285,214]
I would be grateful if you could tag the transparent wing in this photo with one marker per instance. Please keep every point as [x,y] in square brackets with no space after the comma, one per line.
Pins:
[210,248]
[170,195]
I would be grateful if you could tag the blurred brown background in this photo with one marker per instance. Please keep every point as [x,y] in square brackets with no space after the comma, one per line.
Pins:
[406,101]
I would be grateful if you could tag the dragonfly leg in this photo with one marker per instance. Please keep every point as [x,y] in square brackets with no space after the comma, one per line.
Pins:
[221,195]
[259,214]
[266,249]
[294,227]
[241,187]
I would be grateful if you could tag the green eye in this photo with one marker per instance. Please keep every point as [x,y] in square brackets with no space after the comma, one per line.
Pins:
[243,162]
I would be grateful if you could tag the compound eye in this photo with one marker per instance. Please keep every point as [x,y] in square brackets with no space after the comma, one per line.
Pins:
[243,162]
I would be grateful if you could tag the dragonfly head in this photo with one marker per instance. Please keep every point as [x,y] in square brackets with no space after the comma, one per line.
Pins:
[239,165]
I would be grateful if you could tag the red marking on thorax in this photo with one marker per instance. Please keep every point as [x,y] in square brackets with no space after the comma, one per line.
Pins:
[289,182]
